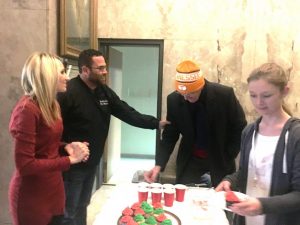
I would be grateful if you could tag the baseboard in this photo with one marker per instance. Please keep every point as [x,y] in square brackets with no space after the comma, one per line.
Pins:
[137,156]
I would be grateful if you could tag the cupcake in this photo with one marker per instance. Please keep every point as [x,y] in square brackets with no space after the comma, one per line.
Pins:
[132,222]
[136,205]
[157,205]
[231,198]
[166,222]
[161,218]
[148,209]
[139,211]
[127,212]
[139,219]
[125,220]
[145,204]
[151,220]
[158,211]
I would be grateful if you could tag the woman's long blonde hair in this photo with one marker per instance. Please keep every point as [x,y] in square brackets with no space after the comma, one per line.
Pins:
[39,81]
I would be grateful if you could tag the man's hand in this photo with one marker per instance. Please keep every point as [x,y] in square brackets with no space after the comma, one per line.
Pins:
[163,123]
[151,175]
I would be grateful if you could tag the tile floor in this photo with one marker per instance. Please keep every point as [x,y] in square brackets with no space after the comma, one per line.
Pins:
[124,174]
[127,168]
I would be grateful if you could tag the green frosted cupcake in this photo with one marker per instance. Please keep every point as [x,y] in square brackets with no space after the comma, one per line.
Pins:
[166,222]
[145,204]
[151,220]
[139,218]
[148,209]
[158,211]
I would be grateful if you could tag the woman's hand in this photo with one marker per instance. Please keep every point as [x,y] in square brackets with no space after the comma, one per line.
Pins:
[224,186]
[249,207]
[78,152]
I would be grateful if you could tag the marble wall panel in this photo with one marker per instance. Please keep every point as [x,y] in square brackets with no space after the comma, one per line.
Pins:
[25,26]
[229,38]
[23,4]
[29,4]
[53,25]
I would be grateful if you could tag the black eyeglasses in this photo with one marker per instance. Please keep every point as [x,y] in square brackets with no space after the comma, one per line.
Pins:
[100,68]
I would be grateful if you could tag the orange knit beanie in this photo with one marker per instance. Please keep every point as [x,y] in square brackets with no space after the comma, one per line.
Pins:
[189,77]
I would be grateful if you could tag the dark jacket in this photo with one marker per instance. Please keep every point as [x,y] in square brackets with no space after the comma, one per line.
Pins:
[225,120]
[283,205]
[86,116]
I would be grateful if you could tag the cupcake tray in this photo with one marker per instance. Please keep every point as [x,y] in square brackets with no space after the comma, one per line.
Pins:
[175,219]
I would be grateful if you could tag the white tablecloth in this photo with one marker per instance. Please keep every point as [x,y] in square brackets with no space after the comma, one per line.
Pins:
[189,213]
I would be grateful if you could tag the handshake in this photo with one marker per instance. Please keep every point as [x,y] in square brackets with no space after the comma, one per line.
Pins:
[78,152]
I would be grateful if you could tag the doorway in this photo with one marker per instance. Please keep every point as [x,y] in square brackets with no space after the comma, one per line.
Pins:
[135,74]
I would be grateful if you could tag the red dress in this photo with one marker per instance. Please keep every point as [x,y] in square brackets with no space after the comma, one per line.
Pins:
[36,191]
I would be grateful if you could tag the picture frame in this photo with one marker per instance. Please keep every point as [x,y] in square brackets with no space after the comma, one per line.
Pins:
[72,69]
[78,26]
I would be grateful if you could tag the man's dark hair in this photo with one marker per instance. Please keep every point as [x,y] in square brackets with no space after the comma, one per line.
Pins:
[85,58]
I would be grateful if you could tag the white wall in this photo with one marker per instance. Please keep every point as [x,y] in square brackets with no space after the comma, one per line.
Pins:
[140,78]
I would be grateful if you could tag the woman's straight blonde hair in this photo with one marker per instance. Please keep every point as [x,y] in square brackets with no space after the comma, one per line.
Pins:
[39,81]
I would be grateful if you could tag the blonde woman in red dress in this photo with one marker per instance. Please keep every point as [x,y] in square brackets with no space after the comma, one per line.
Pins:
[36,191]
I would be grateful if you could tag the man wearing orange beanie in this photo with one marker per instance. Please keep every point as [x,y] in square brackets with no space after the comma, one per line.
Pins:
[210,120]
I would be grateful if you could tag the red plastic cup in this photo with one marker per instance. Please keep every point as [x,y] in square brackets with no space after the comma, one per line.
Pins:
[156,185]
[143,194]
[180,192]
[169,195]
[143,185]
[168,186]
[156,194]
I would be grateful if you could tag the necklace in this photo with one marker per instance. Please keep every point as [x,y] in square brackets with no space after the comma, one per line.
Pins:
[253,158]
[261,156]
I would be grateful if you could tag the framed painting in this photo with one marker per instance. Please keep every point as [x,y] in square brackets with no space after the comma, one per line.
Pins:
[78,26]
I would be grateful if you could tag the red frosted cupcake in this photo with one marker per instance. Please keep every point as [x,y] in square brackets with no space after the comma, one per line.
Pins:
[157,205]
[161,217]
[231,198]
[125,220]
[136,205]
[127,212]
[132,222]
[139,211]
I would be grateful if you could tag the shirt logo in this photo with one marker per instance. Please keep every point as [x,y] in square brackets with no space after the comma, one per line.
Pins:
[103,102]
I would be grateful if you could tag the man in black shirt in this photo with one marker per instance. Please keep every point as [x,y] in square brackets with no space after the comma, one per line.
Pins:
[86,108]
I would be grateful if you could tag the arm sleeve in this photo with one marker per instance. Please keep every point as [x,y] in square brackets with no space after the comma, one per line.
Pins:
[170,136]
[290,201]
[237,122]
[126,113]
[24,127]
